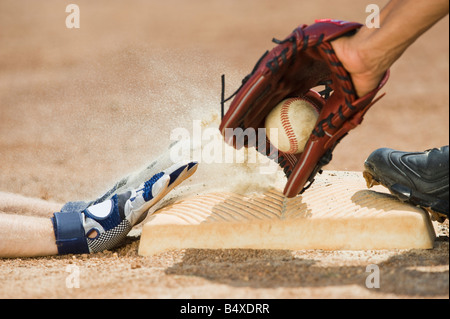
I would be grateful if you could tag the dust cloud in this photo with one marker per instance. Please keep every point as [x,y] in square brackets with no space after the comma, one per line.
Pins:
[179,114]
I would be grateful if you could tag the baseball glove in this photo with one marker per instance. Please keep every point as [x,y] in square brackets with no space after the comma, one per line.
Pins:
[296,67]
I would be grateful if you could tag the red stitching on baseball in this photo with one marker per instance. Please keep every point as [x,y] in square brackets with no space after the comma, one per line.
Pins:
[287,126]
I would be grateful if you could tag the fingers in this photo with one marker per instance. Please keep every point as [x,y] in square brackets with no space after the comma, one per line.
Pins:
[152,191]
[147,194]
[178,173]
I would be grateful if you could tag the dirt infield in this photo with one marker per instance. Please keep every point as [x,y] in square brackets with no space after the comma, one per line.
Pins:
[81,108]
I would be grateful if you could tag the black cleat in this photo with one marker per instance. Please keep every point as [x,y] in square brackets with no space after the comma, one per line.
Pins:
[420,178]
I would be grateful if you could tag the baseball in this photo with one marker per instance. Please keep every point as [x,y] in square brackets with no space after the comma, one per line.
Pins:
[295,119]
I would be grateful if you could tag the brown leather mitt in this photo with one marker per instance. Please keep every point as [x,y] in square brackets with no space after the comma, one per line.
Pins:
[296,67]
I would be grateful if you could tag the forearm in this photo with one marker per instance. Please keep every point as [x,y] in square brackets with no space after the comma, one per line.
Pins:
[401,23]
[369,53]
[26,236]
[18,204]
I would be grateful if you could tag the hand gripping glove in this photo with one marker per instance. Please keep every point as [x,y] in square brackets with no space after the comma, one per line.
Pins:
[105,224]
[295,67]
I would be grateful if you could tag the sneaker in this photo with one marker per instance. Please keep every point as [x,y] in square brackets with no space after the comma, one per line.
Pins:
[420,178]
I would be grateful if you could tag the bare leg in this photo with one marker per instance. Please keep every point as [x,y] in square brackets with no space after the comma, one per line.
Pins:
[26,236]
[370,52]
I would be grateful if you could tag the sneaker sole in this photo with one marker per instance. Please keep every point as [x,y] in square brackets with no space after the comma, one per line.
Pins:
[437,208]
